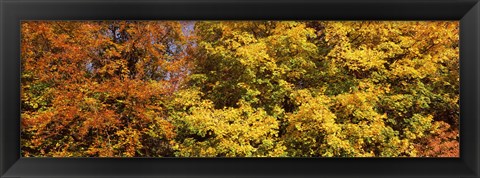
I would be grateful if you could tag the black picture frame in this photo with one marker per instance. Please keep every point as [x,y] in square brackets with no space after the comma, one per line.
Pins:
[14,11]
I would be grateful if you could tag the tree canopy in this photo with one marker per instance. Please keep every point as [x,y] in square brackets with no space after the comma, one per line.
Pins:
[240,88]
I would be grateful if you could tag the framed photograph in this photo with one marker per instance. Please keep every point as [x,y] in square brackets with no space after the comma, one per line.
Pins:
[239,88]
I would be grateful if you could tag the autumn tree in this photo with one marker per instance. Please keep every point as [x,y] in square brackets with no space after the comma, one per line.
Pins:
[96,88]
[336,88]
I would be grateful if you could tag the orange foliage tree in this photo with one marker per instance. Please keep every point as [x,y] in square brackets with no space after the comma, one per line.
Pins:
[96,88]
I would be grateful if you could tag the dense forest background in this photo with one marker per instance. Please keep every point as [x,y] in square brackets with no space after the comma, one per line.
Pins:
[239,89]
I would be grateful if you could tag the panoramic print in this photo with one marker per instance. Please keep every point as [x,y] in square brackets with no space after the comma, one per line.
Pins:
[240,89]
